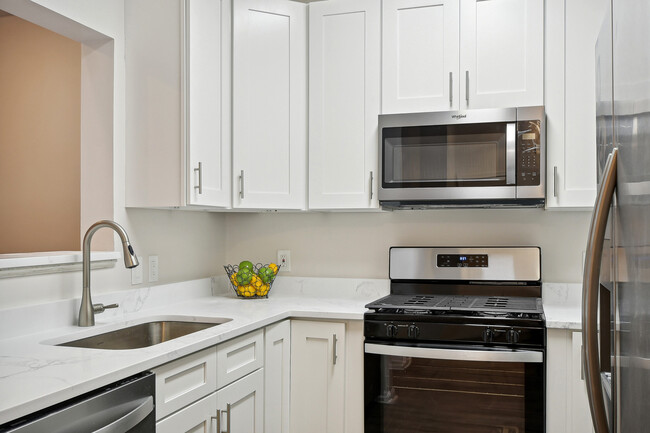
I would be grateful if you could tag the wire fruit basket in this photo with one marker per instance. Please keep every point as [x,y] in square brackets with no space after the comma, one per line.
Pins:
[252,282]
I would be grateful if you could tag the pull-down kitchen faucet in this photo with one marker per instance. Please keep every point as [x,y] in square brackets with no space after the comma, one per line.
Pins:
[88,309]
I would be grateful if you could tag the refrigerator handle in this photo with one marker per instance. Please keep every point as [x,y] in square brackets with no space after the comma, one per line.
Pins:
[590,284]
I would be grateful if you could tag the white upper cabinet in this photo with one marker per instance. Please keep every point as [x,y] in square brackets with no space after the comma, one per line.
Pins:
[502,53]
[420,56]
[571,34]
[208,89]
[449,54]
[178,103]
[269,104]
[344,102]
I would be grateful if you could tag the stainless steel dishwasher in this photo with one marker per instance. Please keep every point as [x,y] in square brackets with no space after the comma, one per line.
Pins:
[125,406]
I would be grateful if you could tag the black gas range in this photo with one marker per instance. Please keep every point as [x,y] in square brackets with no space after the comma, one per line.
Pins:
[461,325]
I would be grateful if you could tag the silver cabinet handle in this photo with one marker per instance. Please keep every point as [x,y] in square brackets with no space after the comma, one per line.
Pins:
[131,419]
[218,420]
[467,87]
[372,184]
[228,420]
[451,89]
[555,181]
[241,185]
[590,285]
[334,355]
[200,185]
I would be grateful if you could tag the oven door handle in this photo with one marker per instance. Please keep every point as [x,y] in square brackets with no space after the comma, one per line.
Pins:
[527,356]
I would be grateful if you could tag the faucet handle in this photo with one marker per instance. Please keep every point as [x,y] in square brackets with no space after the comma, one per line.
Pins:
[99,308]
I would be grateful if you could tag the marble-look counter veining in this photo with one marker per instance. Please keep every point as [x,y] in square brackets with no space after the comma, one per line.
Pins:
[562,305]
[35,374]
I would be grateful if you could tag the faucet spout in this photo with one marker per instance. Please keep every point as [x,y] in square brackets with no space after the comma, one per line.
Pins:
[87,309]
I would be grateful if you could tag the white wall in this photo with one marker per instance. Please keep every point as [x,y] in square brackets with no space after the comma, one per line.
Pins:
[356,244]
[189,244]
[195,245]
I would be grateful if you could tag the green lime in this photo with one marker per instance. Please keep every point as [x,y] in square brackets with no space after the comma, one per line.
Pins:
[246,265]
[244,276]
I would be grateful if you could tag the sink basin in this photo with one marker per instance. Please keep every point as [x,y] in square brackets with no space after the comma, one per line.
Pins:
[144,334]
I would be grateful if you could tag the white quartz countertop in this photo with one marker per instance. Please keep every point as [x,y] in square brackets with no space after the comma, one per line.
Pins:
[35,374]
[562,305]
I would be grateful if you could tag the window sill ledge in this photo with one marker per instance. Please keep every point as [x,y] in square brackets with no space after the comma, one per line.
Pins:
[25,264]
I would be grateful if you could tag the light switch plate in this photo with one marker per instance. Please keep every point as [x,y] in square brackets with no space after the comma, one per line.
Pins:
[153,269]
[136,273]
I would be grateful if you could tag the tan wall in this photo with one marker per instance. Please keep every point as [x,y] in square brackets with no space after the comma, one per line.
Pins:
[356,245]
[40,91]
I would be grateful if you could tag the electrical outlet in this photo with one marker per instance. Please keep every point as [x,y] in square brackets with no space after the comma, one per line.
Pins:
[136,273]
[284,259]
[153,269]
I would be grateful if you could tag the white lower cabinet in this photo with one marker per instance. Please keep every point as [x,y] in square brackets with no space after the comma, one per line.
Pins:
[317,376]
[277,380]
[294,375]
[326,376]
[195,418]
[567,407]
[241,405]
[184,381]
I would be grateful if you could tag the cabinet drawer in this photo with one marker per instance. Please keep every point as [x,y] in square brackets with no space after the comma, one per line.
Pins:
[197,417]
[184,381]
[238,357]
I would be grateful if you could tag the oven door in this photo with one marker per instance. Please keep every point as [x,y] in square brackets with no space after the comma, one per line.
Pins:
[453,389]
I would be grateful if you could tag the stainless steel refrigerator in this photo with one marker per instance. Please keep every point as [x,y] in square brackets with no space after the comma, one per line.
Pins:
[616,285]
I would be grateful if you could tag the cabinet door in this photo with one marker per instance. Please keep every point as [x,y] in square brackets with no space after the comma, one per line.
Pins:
[420,56]
[317,377]
[241,404]
[195,418]
[501,53]
[185,380]
[240,356]
[571,34]
[269,104]
[344,102]
[207,101]
[277,377]
[579,415]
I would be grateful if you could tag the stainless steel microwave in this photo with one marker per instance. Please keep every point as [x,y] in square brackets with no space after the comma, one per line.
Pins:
[472,158]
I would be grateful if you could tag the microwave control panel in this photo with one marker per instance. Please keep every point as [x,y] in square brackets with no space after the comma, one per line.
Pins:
[528,152]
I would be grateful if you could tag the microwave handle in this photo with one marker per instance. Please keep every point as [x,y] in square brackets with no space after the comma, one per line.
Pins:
[511,153]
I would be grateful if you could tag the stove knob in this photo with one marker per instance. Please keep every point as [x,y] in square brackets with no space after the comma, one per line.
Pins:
[488,333]
[513,336]
[413,331]
[391,331]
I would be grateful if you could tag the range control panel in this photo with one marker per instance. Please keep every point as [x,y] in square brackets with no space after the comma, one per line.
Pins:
[528,152]
[462,260]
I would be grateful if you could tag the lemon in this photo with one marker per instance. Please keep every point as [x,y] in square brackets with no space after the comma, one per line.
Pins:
[274,267]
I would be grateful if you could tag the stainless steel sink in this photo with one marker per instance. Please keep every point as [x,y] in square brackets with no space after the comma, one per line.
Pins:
[143,335]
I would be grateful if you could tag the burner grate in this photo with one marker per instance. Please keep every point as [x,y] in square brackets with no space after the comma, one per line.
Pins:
[496,303]
[410,303]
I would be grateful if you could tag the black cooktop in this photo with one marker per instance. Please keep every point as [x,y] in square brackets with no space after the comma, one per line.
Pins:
[441,304]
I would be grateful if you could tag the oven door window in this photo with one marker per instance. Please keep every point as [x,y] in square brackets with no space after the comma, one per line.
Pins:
[417,395]
[445,156]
